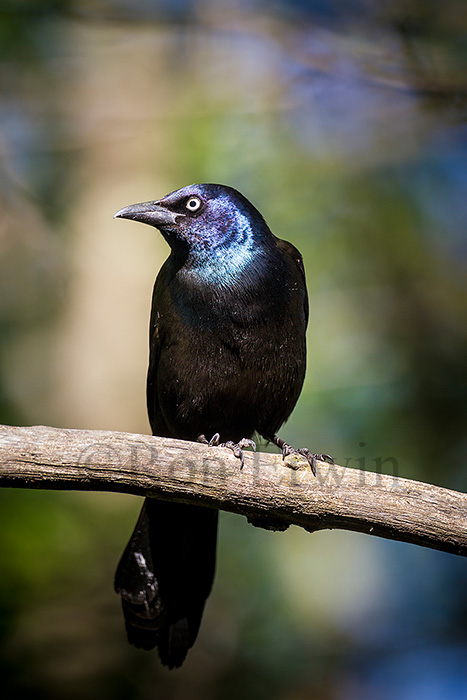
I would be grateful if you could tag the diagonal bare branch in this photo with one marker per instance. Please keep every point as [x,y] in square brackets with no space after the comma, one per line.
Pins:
[271,493]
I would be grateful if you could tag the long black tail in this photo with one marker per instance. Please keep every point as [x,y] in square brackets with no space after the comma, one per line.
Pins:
[165,576]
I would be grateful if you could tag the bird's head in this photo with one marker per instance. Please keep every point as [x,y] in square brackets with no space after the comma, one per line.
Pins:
[201,219]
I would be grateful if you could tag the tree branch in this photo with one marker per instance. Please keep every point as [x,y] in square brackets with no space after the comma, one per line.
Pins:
[271,493]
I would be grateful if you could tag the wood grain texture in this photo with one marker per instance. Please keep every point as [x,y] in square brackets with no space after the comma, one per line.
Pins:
[271,493]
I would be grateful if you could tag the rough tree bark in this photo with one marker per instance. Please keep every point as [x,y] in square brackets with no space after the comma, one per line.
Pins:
[270,492]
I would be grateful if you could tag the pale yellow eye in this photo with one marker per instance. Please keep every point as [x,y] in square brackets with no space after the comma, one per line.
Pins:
[193,204]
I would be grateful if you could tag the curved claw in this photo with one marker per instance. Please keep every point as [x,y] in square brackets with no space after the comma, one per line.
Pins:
[247,442]
[214,441]
[310,457]
[236,447]
[325,458]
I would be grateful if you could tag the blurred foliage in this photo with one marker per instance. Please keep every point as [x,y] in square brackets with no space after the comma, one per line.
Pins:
[345,124]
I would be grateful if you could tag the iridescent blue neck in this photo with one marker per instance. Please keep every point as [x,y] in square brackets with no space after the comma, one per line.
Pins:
[228,258]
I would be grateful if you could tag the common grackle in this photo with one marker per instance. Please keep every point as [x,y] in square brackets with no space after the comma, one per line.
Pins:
[227,359]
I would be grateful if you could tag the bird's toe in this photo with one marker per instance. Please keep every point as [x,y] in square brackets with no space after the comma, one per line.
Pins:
[214,441]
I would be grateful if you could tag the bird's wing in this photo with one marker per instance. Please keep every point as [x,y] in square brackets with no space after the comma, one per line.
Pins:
[151,388]
[156,419]
[293,254]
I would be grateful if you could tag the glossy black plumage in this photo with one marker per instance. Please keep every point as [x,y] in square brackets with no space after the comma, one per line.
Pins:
[227,356]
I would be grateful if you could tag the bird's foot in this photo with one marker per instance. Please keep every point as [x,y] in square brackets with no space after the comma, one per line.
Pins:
[311,457]
[236,447]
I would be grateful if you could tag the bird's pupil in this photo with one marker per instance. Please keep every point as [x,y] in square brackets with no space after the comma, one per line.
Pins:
[193,203]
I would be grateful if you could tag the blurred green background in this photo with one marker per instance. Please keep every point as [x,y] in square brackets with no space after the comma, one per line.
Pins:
[345,124]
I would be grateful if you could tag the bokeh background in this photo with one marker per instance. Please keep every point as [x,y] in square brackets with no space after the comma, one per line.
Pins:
[345,123]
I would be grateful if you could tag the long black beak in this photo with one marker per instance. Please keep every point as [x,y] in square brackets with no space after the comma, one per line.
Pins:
[151,213]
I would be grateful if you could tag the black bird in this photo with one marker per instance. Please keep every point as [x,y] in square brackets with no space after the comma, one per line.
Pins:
[227,359]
